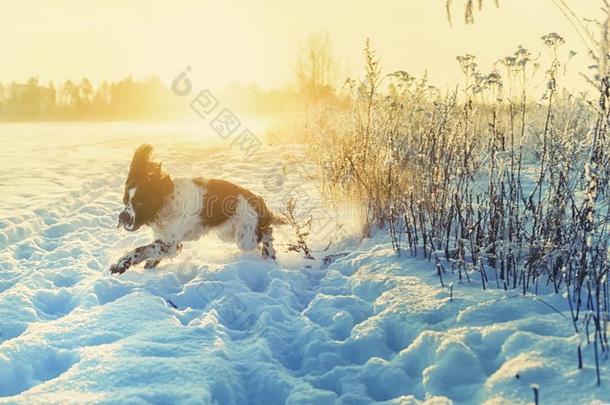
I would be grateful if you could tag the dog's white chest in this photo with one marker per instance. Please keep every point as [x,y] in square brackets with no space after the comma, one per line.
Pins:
[179,218]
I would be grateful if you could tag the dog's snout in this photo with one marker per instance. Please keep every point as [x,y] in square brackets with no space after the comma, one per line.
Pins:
[124,217]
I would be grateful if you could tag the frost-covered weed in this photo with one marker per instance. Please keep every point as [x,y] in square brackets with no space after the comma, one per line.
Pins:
[488,179]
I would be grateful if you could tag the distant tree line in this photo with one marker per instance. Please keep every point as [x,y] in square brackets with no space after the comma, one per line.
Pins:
[314,87]
[122,100]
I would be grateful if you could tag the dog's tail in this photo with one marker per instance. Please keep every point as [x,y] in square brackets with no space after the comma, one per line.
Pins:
[278,219]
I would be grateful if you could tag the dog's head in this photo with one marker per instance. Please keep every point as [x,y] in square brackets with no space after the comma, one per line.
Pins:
[146,187]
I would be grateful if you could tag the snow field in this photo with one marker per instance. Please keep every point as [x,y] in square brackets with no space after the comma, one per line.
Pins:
[217,325]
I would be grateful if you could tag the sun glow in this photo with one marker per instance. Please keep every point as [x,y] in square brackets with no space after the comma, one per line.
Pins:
[257,42]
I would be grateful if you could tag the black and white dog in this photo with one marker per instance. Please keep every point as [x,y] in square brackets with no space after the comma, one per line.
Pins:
[184,209]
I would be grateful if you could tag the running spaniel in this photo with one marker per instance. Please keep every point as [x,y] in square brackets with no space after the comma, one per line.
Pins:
[185,209]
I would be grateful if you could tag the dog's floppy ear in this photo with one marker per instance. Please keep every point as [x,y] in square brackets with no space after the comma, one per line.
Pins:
[140,159]
[142,154]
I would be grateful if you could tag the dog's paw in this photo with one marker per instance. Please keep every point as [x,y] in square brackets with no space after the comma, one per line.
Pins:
[121,266]
[151,264]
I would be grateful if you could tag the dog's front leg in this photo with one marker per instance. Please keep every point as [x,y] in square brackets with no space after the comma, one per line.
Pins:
[151,252]
[152,263]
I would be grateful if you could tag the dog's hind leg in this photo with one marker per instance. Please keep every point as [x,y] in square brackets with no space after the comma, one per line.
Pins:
[268,251]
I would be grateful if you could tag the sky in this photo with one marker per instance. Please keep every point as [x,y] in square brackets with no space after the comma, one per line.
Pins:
[252,41]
